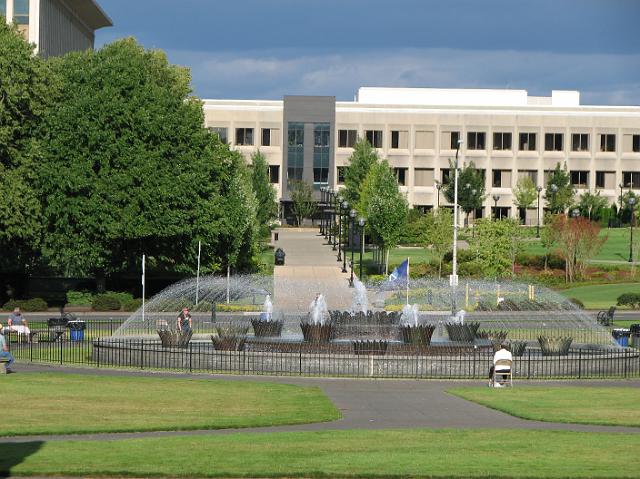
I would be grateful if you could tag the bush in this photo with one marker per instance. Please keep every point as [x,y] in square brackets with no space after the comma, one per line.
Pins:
[79,298]
[629,299]
[106,302]
[28,305]
[577,302]
[132,304]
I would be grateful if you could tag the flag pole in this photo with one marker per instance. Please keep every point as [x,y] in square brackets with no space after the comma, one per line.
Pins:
[198,274]
[143,285]
[407,280]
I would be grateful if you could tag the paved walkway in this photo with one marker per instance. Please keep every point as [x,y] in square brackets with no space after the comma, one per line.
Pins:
[310,267]
[365,404]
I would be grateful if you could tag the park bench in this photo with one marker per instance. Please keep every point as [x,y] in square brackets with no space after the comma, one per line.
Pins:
[605,318]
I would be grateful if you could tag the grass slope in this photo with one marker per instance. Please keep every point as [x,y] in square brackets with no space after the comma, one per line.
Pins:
[614,406]
[65,403]
[600,296]
[375,454]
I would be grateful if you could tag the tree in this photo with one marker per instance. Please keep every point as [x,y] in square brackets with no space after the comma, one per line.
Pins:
[304,205]
[560,192]
[27,87]
[129,168]
[364,156]
[548,238]
[471,189]
[626,206]
[437,227]
[386,207]
[525,193]
[496,245]
[591,205]
[264,192]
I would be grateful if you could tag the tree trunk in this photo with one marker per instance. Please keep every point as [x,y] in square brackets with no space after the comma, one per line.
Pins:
[440,268]
[386,262]
[101,281]
[228,281]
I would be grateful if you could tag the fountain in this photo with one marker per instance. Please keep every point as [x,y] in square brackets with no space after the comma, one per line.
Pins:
[412,331]
[265,326]
[316,328]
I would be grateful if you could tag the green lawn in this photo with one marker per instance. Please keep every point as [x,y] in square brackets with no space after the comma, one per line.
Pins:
[353,454]
[396,256]
[64,403]
[600,296]
[616,406]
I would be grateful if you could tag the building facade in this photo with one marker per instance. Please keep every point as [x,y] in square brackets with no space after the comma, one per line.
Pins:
[56,27]
[506,133]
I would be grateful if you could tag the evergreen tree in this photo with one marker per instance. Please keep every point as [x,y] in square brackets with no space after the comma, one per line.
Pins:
[471,189]
[264,192]
[438,230]
[302,198]
[559,192]
[525,193]
[363,158]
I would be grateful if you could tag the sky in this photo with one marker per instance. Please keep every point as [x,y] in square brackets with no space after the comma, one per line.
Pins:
[265,49]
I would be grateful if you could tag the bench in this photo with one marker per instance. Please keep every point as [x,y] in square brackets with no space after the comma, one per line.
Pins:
[605,318]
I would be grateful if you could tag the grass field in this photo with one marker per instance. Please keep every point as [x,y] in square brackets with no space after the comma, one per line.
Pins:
[600,296]
[63,403]
[375,454]
[617,406]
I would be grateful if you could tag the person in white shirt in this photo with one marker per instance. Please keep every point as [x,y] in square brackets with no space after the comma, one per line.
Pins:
[502,353]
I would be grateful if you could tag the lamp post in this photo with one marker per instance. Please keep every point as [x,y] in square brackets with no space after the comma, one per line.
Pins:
[345,206]
[361,222]
[352,217]
[620,209]
[454,269]
[322,211]
[438,187]
[339,233]
[632,203]
[554,191]
[336,207]
[538,189]
[496,198]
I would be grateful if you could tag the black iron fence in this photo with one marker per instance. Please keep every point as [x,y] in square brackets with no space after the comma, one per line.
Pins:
[304,359]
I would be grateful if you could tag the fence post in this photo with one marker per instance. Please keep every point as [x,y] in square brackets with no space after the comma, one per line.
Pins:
[580,363]
[528,364]
[190,357]
[31,351]
[142,354]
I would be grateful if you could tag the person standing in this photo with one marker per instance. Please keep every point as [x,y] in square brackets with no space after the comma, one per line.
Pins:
[185,323]
[5,355]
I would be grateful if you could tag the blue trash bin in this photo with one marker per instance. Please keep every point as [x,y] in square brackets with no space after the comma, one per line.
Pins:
[621,336]
[76,330]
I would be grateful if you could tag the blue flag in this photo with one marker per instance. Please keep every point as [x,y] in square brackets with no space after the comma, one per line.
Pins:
[401,273]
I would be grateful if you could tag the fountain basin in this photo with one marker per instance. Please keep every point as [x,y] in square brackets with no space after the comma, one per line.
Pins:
[267,329]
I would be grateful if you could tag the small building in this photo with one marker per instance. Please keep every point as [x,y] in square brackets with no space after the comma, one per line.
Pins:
[56,27]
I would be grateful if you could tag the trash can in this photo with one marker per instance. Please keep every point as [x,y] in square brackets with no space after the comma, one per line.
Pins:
[279,257]
[635,335]
[275,236]
[76,330]
[57,327]
[621,336]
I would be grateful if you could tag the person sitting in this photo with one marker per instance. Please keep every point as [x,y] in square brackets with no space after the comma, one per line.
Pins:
[501,354]
[5,355]
[184,321]
[18,323]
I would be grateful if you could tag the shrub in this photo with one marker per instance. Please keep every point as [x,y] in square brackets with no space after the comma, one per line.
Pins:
[629,299]
[29,305]
[105,302]
[577,302]
[132,304]
[79,298]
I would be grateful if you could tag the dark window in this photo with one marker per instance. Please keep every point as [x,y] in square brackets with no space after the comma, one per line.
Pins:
[374,137]
[274,173]
[321,134]
[527,142]
[266,137]
[347,138]
[244,136]
[445,174]
[600,175]
[221,132]
[607,142]
[455,137]
[424,209]
[502,141]
[295,151]
[553,142]
[635,143]
[475,140]
[580,179]
[580,142]
[341,170]
[395,139]
[631,179]
[401,176]
[497,179]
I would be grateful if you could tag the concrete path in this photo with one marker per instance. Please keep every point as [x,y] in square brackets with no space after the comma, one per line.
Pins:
[365,404]
[310,267]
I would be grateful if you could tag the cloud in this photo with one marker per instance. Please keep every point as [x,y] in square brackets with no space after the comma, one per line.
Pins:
[602,78]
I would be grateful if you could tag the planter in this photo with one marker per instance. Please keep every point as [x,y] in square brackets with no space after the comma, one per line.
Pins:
[373,348]
[316,333]
[554,346]
[418,335]
[174,339]
[464,333]
[266,329]
[365,326]
[517,348]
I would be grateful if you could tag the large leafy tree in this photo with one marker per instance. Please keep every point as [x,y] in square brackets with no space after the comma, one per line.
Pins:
[130,169]
[363,158]
[385,207]
[591,205]
[264,191]
[471,188]
[26,88]
[525,193]
[438,234]
[578,241]
[303,204]
[496,245]
[559,192]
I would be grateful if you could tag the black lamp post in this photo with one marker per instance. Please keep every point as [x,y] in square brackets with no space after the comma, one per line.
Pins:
[345,208]
[333,216]
[339,200]
[352,217]
[438,187]
[631,203]
[554,191]
[538,189]
[322,210]
[620,209]
[496,198]
[361,222]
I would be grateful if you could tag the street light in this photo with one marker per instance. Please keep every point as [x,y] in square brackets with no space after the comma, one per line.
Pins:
[620,209]
[538,189]
[496,198]
[631,202]
[554,191]
[454,269]
[323,210]
[339,232]
[332,218]
[345,206]
[361,222]
[352,215]
[438,187]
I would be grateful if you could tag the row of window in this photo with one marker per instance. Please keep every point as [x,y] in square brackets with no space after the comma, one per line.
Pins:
[20,11]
